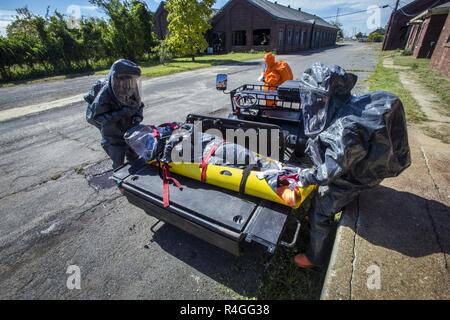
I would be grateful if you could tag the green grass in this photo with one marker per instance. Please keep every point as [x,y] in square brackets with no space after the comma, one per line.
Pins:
[441,132]
[388,80]
[155,69]
[150,68]
[432,79]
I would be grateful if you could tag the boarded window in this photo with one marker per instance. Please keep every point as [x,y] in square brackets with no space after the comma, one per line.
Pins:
[280,37]
[239,38]
[289,34]
[261,37]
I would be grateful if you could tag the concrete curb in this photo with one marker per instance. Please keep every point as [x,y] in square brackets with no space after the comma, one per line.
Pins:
[338,279]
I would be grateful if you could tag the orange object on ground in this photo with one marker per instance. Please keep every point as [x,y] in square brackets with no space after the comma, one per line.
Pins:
[302,261]
[275,74]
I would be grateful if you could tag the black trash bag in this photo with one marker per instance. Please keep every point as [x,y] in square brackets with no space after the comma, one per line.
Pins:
[149,141]
[363,141]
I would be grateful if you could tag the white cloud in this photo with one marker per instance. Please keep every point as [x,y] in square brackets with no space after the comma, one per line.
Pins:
[6,17]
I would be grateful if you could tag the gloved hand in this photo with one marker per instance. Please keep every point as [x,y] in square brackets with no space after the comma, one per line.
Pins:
[302,181]
[136,119]
[261,77]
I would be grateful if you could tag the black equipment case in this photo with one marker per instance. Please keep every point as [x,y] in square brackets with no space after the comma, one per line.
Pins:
[289,91]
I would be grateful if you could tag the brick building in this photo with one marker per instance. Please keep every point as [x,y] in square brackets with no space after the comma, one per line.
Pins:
[441,55]
[425,30]
[398,29]
[242,25]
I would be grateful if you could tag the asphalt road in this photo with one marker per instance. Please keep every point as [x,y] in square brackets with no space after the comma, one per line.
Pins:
[58,208]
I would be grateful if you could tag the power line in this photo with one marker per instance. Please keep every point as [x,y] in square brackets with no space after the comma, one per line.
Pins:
[355,12]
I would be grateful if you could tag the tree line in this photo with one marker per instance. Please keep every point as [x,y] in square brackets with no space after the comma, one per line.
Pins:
[36,46]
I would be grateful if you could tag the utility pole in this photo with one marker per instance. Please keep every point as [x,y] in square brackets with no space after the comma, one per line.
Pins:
[337,15]
[391,20]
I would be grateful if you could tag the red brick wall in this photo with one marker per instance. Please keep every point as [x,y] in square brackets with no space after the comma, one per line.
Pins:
[241,15]
[396,35]
[441,56]
[412,40]
[429,34]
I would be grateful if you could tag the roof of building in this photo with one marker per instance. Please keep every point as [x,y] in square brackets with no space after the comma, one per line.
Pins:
[286,13]
[442,9]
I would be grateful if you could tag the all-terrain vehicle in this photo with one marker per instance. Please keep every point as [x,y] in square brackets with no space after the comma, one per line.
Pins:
[226,219]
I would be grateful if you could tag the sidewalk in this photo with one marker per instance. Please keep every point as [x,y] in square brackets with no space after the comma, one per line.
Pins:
[403,227]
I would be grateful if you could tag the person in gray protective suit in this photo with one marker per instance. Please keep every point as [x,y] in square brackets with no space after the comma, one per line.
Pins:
[354,142]
[114,107]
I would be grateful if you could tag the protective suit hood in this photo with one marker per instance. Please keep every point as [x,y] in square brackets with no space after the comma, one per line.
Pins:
[124,83]
[325,89]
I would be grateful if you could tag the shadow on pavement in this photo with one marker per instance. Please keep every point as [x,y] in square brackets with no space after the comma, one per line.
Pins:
[403,222]
[242,274]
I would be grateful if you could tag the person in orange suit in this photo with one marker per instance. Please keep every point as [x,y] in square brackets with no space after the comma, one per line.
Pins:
[276,73]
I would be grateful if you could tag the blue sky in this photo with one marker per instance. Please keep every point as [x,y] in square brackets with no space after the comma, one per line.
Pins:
[322,8]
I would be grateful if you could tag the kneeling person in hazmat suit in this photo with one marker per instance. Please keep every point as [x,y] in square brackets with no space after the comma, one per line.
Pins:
[354,143]
[114,107]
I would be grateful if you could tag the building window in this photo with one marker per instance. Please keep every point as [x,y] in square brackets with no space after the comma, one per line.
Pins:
[281,37]
[239,38]
[289,34]
[297,37]
[304,38]
[261,37]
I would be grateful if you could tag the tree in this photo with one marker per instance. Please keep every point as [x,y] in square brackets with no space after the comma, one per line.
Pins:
[131,25]
[340,32]
[360,35]
[188,21]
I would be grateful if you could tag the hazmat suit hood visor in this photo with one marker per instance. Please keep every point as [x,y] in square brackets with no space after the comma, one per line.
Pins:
[126,83]
[323,90]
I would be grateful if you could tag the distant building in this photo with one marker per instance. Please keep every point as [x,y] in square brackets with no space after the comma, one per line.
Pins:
[398,29]
[242,25]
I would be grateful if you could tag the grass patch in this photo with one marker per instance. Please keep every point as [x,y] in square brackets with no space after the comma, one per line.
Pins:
[284,280]
[388,80]
[55,177]
[79,170]
[442,133]
[155,69]
[432,79]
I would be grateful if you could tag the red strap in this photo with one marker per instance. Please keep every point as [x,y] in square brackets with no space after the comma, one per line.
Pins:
[172,125]
[155,132]
[289,177]
[166,179]
[204,163]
